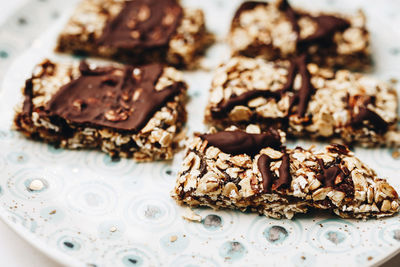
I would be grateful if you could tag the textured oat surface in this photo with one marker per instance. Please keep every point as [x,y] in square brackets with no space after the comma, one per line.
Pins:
[266,31]
[338,97]
[156,140]
[210,177]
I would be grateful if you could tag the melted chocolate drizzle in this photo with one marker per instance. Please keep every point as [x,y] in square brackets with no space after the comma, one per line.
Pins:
[28,93]
[239,142]
[112,97]
[298,65]
[284,178]
[326,26]
[329,174]
[143,24]
[366,115]
[284,172]
[263,164]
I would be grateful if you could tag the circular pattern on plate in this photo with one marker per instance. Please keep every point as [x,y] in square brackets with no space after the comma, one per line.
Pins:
[112,229]
[20,184]
[101,162]
[334,235]
[50,153]
[194,260]
[166,172]
[151,211]
[18,157]
[268,234]
[52,214]
[232,251]
[133,255]
[72,242]
[24,220]
[6,134]
[175,242]
[94,198]
[214,224]
[389,234]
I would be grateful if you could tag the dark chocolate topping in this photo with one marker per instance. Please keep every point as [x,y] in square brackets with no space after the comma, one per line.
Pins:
[284,172]
[143,23]
[239,142]
[366,115]
[226,106]
[119,98]
[326,25]
[338,148]
[263,164]
[298,65]
[329,174]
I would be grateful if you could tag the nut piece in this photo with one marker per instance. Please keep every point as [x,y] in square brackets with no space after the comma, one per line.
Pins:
[230,190]
[240,113]
[113,115]
[190,215]
[144,13]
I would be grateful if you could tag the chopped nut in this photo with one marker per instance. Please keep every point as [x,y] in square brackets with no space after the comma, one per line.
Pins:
[252,128]
[240,113]
[144,13]
[113,115]
[135,34]
[230,190]
[190,215]
[36,185]
[396,154]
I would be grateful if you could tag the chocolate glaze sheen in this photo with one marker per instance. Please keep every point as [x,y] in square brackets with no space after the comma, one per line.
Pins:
[239,142]
[143,24]
[284,172]
[113,97]
[263,165]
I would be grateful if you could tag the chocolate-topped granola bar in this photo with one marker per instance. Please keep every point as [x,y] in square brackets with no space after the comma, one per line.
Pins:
[123,110]
[253,171]
[304,100]
[275,30]
[137,32]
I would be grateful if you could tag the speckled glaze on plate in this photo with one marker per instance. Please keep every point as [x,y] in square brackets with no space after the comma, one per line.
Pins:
[94,211]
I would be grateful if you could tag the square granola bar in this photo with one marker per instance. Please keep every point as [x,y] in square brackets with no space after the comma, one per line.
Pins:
[126,111]
[275,30]
[304,100]
[137,32]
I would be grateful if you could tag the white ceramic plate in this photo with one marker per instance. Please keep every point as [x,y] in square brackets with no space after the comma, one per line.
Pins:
[93,211]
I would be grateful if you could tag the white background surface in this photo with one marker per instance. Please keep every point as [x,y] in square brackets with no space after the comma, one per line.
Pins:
[14,251]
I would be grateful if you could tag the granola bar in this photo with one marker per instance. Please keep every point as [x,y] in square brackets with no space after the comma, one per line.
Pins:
[276,30]
[136,32]
[304,100]
[252,171]
[126,111]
